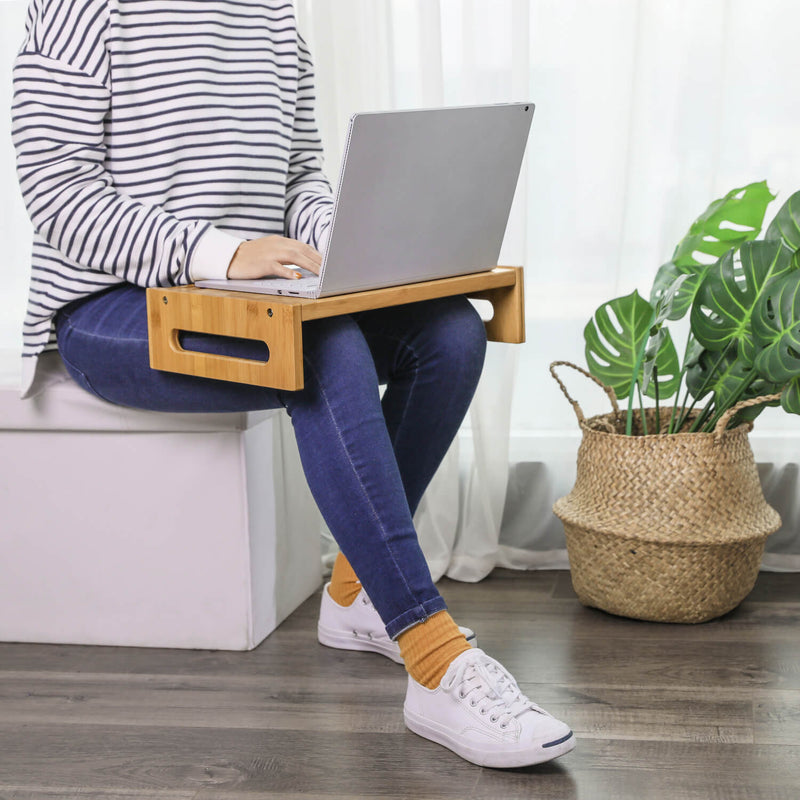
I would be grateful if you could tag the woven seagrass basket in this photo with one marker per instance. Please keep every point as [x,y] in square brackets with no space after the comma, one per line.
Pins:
[667,528]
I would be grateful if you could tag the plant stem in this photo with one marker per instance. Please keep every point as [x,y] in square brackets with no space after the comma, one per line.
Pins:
[658,409]
[687,412]
[629,417]
[677,404]
[702,416]
[744,386]
[682,418]
[635,377]
[641,409]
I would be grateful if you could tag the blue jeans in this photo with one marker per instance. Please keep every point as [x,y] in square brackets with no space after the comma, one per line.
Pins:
[367,459]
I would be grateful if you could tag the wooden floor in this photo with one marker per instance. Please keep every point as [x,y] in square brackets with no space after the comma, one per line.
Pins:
[660,711]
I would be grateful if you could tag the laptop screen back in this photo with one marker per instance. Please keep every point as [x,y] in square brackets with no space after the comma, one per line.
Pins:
[424,194]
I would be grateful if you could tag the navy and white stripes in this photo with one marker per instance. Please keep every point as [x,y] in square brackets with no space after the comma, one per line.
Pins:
[152,137]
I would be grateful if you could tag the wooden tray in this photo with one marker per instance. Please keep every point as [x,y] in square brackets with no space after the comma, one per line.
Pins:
[277,321]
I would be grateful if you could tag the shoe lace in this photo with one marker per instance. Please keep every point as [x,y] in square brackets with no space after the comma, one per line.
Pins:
[490,688]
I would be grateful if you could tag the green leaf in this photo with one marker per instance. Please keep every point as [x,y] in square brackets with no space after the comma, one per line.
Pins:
[659,348]
[786,225]
[615,338]
[723,308]
[666,276]
[715,373]
[790,399]
[728,222]
[668,365]
[666,301]
[654,345]
[726,376]
[749,414]
[776,330]
[693,352]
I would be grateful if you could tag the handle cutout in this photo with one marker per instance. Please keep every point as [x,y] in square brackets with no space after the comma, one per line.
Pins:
[218,344]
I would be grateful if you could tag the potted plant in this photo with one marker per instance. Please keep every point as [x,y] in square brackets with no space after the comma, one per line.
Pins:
[667,520]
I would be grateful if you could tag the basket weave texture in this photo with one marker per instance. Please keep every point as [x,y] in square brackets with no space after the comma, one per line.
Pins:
[667,528]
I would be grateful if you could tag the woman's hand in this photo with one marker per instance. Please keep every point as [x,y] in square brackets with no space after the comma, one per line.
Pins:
[266,257]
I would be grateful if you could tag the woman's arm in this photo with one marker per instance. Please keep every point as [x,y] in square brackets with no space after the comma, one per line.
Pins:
[309,200]
[61,105]
[59,109]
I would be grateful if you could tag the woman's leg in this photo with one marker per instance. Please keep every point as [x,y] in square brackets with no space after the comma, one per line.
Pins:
[430,357]
[347,450]
[343,440]
[355,477]
[103,342]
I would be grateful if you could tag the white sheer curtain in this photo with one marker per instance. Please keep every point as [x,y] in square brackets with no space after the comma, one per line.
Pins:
[645,112]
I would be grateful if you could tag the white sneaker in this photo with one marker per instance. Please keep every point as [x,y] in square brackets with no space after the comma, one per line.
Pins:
[479,713]
[359,627]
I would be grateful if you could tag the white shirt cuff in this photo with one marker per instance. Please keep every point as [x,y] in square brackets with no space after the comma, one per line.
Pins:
[212,255]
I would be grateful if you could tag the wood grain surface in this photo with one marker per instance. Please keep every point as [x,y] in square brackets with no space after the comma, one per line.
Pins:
[704,712]
[277,321]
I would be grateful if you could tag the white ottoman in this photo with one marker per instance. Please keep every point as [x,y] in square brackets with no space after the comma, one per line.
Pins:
[124,527]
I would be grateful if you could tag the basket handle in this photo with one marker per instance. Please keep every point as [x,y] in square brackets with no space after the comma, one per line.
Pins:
[723,421]
[574,403]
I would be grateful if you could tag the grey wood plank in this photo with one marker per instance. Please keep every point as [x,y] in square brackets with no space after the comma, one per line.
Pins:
[661,711]
[250,702]
[777,717]
[365,765]
[56,793]
[132,759]
[778,587]
[592,711]
[573,637]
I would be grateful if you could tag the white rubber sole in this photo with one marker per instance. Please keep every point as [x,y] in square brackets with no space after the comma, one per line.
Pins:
[505,759]
[344,641]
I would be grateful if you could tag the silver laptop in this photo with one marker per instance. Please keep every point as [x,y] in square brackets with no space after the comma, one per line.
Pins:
[422,194]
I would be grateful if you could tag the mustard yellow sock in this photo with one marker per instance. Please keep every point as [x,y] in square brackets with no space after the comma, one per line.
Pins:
[430,647]
[345,585]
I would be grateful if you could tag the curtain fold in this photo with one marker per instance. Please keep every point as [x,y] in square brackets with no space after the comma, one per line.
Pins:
[459,520]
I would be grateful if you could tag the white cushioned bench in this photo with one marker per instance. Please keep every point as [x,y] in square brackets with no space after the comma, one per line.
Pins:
[126,527]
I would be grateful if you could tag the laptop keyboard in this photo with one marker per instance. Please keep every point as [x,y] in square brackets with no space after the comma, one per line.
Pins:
[296,284]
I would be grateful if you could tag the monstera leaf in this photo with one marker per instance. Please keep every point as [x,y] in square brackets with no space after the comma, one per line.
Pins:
[615,339]
[656,340]
[729,379]
[786,226]
[723,308]
[776,330]
[694,350]
[726,223]
[790,399]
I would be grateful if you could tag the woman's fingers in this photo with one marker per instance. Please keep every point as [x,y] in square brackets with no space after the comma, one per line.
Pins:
[280,271]
[303,256]
[268,256]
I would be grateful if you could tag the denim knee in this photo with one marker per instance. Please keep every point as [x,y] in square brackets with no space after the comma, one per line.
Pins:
[456,331]
[467,340]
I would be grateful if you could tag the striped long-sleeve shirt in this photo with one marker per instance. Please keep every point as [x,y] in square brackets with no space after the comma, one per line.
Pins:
[153,137]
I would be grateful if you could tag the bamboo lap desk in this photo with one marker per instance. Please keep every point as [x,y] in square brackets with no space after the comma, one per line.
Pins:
[277,321]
